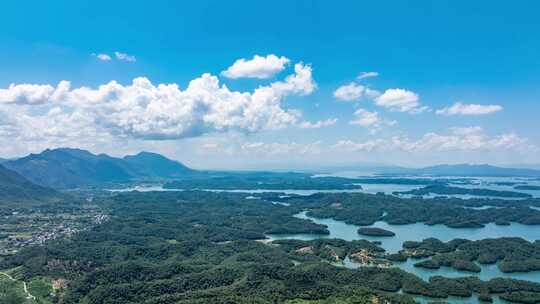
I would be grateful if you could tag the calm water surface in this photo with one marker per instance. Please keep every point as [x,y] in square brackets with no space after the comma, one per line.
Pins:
[411,232]
[418,232]
[151,188]
[480,182]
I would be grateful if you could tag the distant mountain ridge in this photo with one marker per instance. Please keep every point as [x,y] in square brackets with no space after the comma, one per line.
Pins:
[14,188]
[70,168]
[67,168]
[465,170]
[155,165]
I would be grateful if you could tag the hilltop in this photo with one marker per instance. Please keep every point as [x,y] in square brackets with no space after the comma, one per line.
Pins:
[70,168]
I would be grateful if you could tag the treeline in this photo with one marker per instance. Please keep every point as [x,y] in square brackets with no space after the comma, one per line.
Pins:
[527,187]
[510,254]
[199,247]
[266,181]
[332,250]
[447,190]
[296,181]
[365,209]
[375,231]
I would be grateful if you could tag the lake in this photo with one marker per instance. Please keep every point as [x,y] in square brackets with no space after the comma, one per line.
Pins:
[411,232]
[415,232]
[366,188]
[476,182]
[420,231]
[149,188]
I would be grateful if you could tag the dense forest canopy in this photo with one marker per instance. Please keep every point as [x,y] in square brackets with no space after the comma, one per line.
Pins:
[365,209]
[205,247]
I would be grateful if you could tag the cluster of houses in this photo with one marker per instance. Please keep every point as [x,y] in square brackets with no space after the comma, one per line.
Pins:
[42,230]
[366,258]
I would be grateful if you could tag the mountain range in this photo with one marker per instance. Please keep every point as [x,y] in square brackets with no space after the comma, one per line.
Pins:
[16,188]
[66,168]
[71,168]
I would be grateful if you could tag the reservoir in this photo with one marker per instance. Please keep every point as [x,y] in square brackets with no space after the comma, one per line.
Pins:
[410,232]
[420,231]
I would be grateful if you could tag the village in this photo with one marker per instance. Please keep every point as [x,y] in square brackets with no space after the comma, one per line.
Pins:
[21,227]
[367,258]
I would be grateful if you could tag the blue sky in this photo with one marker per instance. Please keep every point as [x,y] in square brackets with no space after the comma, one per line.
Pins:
[485,53]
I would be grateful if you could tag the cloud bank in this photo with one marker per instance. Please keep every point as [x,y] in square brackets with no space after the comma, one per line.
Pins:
[457,139]
[38,116]
[147,111]
[450,145]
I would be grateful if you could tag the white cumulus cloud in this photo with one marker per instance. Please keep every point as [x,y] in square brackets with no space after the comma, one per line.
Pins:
[400,100]
[143,110]
[460,108]
[29,94]
[349,92]
[257,67]
[354,91]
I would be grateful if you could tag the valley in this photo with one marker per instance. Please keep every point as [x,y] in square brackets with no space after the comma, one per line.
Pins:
[269,237]
[283,152]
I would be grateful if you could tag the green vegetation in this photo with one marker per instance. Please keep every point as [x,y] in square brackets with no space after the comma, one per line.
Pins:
[217,257]
[11,292]
[131,258]
[511,254]
[521,297]
[332,250]
[527,187]
[292,181]
[16,190]
[40,287]
[457,262]
[404,181]
[65,168]
[356,296]
[14,291]
[374,231]
[505,183]
[365,209]
[31,223]
[266,181]
[446,190]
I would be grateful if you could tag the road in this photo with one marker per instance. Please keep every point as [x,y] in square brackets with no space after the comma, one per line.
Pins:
[28,294]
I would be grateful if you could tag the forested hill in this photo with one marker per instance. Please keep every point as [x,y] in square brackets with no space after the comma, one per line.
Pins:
[464,170]
[70,168]
[15,188]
